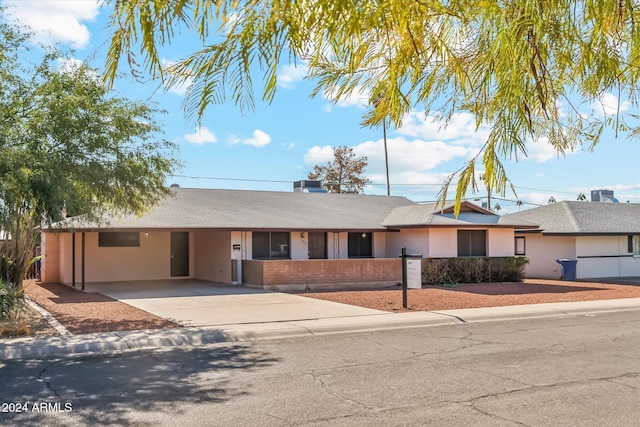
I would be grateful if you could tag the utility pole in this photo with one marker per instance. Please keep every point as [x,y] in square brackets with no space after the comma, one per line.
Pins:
[386,155]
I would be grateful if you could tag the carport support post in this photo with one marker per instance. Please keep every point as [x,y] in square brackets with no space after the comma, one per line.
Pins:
[82,271]
[73,259]
[404,277]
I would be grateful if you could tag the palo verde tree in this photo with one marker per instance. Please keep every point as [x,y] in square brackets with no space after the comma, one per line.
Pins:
[344,174]
[528,70]
[67,144]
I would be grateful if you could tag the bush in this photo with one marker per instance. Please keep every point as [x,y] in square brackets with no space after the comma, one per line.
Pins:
[10,296]
[447,271]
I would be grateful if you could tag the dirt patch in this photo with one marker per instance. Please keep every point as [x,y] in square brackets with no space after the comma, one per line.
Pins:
[82,312]
[26,322]
[476,295]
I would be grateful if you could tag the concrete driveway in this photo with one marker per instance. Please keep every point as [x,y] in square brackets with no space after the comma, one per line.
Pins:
[201,303]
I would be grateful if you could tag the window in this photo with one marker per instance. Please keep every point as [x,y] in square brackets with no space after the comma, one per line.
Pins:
[360,245]
[633,245]
[270,245]
[472,242]
[520,246]
[118,239]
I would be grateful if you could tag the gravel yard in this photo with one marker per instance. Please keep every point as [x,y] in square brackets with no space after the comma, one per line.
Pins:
[82,312]
[475,295]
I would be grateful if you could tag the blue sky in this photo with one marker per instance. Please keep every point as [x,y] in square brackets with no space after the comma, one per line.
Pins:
[278,143]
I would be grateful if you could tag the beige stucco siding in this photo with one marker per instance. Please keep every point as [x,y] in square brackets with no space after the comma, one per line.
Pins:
[149,261]
[542,252]
[500,242]
[212,255]
[605,256]
[380,245]
[443,242]
[416,240]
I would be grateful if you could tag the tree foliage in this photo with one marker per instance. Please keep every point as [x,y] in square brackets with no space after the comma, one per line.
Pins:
[528,70]
[344,174]
[68,145]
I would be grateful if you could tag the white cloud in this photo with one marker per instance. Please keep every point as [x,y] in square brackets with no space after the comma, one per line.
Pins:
[259,139]
[607,105]
[290,74]
[359,97]
[410,161]
[318,155]
[462,127]
[56,20]
[541,151]
[461,131]
[413,155]
[201,136]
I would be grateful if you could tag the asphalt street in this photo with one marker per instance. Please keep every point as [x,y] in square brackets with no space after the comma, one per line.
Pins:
[578,371]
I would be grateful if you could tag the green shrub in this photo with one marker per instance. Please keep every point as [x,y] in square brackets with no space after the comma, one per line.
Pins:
[448,271]
[10,296]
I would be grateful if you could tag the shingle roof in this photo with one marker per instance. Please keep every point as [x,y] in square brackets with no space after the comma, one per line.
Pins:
[575,217]
[254,210]
[434,214]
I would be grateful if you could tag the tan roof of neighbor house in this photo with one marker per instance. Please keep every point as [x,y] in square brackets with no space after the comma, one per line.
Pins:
[437,215]
[190,208]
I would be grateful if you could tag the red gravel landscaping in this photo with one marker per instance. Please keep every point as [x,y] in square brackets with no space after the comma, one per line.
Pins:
[475,295]
[82,312]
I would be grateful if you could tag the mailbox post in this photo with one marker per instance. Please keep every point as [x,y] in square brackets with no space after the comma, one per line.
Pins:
[405,278]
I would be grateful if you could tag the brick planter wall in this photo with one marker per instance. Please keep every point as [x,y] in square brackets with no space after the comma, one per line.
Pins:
[319,273]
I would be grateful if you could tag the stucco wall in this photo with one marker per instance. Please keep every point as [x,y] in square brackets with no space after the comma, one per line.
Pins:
[500,242]
[149,261]
[542,252]
[605,256]
[443,243]
[212,255]
[416,240]
[379,245]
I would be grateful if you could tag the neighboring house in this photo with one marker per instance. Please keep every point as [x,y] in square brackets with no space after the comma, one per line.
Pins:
[603,237]
[270,239]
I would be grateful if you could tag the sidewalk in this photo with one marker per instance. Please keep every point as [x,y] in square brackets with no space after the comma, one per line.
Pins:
[85,344]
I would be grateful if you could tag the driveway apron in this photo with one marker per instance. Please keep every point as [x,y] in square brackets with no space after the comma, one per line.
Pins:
[201,303]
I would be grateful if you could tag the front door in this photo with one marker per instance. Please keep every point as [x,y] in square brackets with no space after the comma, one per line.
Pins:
[317,245]
[179,254]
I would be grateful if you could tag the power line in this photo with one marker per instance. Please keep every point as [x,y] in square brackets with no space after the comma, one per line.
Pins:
[231,179]
[275,181]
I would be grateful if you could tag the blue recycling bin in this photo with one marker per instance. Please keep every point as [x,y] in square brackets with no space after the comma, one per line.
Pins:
[568,268]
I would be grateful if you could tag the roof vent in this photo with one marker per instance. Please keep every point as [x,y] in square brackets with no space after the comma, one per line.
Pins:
[175,186]
[603,196]
[306,186]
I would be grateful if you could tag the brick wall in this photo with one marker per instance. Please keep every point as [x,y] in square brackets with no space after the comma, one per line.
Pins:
[252,272]
[316,271]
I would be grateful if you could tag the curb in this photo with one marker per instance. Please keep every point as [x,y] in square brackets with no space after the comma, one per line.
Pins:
[88,344]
